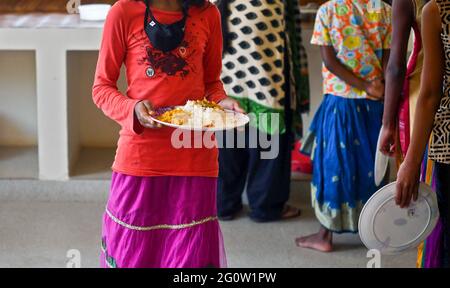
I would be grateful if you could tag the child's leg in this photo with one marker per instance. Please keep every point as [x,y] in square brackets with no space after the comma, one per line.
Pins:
[321,241]
[268,186]
[233,171]
[269,180]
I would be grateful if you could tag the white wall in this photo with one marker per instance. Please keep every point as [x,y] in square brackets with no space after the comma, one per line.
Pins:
[73,107]
[18,112]
[88,126]
[93,129]
[315,76]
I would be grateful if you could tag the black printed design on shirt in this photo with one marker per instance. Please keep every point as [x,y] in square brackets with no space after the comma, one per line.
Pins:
[175,63]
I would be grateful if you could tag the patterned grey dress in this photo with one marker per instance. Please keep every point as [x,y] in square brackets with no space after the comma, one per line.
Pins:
[262,35]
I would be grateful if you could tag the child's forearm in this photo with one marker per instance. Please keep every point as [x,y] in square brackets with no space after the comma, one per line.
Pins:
[340,70]
[395,77]
[385,59]
[403,18]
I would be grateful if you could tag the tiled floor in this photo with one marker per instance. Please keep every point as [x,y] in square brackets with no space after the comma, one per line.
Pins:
[39,234]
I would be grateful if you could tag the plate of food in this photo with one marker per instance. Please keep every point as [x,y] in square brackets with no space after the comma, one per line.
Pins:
[384,226]
[200,115]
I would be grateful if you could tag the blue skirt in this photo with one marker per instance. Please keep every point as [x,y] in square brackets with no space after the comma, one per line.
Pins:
[346,133]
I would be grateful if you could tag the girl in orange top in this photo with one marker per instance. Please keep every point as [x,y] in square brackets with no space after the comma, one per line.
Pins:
[161,210]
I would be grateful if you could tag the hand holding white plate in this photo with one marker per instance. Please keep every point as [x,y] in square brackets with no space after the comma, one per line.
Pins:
[384,226]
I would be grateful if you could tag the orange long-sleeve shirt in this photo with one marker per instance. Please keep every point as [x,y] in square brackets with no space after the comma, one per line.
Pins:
[190,72]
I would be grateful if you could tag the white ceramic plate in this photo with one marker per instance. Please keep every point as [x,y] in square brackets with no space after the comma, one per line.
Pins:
[94,12]
[392,230]
[381,164]
[241,120]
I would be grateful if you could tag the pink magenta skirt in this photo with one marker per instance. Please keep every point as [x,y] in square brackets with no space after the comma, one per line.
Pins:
[162,222]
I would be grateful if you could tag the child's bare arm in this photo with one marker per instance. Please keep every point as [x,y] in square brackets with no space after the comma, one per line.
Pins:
[427,104]
[337,68]
[402,21]
[403,17]
[374,88]
[385,60]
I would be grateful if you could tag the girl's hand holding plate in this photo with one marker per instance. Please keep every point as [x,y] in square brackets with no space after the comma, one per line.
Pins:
[143,111]
[407,184]
[231,104]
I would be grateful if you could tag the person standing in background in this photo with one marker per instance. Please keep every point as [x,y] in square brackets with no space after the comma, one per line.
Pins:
[432,119]
[402,79]
[354,39]
[402,91]
[265,70]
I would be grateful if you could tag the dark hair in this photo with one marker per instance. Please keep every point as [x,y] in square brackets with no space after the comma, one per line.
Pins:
[198,3]
[224,8]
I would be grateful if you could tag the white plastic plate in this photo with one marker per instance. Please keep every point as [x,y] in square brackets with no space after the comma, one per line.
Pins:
[392,230]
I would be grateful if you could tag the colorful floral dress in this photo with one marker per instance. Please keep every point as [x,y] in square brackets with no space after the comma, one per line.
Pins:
[359,31]
[347,124]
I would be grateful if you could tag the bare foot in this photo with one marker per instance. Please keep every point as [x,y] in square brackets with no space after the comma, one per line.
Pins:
[320,241]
